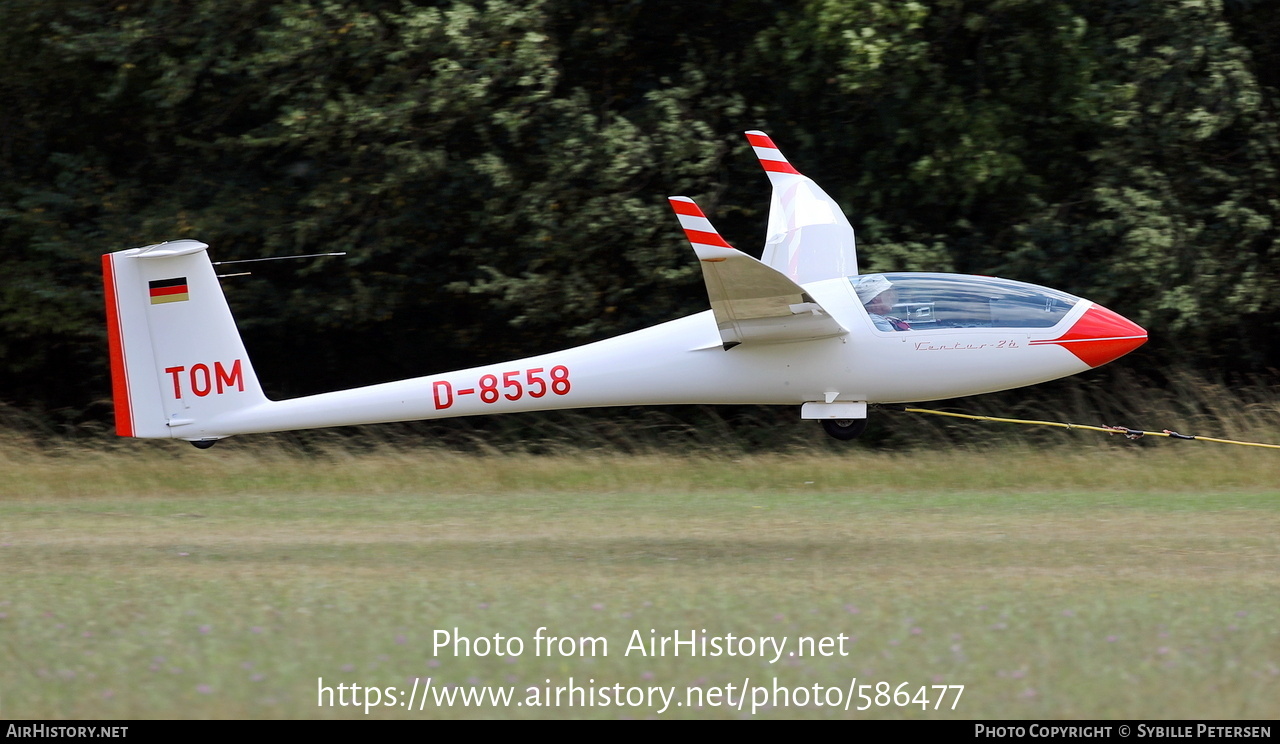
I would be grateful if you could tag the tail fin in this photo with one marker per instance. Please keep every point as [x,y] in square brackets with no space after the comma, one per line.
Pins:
[176,356]
[809,238]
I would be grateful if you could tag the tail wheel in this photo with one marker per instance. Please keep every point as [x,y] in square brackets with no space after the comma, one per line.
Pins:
[844,429]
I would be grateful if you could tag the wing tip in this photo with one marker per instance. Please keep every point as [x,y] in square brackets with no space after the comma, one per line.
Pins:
[770,157]
[683,205]
[698,230]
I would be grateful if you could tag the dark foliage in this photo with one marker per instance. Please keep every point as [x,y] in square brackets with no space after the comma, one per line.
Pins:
[497,171]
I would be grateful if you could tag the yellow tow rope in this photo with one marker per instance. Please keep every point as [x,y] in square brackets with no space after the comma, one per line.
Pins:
[1130,433]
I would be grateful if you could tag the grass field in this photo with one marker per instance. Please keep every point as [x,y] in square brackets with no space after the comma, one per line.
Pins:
[154,580]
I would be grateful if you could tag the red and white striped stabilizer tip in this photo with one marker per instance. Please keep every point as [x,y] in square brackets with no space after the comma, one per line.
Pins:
[702,235]
[771,158]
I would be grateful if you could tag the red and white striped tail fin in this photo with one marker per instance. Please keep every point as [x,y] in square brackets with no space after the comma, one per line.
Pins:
[809,238]
[702,235]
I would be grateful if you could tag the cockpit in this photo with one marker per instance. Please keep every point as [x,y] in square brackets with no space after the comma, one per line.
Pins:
[921,301]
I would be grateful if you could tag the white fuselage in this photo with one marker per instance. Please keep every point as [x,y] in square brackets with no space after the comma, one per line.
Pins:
[684,362]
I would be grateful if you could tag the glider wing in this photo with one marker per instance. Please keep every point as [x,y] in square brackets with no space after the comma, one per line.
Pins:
[752,302]
[809,238]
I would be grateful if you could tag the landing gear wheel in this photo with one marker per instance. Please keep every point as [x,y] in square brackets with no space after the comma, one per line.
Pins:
[205,443]
[844,429]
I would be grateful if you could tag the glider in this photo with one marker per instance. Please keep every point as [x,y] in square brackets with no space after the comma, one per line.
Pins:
[799,327]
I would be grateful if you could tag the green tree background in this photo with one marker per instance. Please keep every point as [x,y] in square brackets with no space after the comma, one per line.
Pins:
[497,171]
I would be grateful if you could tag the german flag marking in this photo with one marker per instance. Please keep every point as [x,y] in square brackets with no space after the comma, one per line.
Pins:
[168,290]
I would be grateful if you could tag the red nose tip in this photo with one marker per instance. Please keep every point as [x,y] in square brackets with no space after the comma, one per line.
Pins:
[1100,336]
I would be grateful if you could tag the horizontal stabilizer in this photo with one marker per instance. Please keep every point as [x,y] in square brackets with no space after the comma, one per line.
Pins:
[809,238]
[752,302]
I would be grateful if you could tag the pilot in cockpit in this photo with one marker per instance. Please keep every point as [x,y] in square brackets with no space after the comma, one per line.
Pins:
[878,296]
